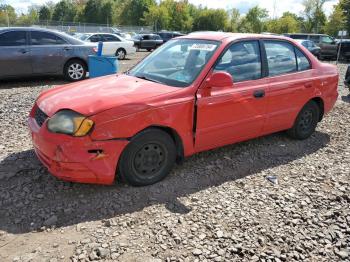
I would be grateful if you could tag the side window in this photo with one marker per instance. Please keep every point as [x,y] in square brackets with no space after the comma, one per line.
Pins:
[110,38]
[242,60]
[95,38]
[280,58]
[13,38]
[303,62]
[43,38]
[146,37]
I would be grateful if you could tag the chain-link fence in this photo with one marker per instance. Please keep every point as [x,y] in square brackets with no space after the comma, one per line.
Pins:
[73,27]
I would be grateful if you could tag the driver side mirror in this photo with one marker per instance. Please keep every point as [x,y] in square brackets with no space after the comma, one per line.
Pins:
[219,79]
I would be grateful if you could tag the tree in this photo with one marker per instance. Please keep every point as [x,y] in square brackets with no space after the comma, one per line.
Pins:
[254,21]
[133,11]
[288,23]
[314,16]
[64,11]
[211,19]
[45,13]
[7,15]
[336,22]
[345,6]
[235,18]
[158,16]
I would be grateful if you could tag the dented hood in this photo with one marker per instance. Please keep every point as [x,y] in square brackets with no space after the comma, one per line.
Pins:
[90,97]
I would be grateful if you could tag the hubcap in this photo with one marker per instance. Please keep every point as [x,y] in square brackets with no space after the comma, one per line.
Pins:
[76,71]
[149,160]
[306,121]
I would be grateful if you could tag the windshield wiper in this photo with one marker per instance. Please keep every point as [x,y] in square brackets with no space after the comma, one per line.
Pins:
[148,79]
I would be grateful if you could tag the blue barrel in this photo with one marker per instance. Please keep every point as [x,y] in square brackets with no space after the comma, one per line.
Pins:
[102,65]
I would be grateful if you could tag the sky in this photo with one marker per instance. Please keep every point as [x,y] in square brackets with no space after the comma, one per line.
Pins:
[275,7]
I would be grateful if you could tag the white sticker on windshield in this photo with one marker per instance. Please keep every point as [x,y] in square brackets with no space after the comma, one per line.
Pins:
[203,47]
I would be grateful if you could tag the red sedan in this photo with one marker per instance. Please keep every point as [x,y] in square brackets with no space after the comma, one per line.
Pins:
[194,93]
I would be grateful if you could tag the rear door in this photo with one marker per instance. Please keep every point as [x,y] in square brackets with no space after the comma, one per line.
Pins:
[290,84]
[14,54]
[48,52]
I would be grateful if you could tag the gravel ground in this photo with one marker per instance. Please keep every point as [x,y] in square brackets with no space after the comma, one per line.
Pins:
[217,206]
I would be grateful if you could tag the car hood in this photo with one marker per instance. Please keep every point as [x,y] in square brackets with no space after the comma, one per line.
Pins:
[90,97]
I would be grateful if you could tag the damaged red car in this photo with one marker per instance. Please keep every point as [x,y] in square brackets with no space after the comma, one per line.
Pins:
[195,93]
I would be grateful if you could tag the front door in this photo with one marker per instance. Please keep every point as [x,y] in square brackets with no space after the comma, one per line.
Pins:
[236,112]
[48,52]
[15,54]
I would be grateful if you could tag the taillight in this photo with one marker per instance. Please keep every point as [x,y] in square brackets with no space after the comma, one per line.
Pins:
[94,49]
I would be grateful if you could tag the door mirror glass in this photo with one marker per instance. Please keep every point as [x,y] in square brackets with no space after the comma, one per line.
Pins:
[219,79]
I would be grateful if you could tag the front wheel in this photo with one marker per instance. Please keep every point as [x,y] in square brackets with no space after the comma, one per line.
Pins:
[75,70]
[306,121]
[148,158]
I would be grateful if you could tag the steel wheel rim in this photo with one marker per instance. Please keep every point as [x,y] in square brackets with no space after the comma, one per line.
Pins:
[149,160]
[76,71]
[306,120]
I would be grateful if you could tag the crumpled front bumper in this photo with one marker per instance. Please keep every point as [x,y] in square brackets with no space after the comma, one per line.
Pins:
[76,159]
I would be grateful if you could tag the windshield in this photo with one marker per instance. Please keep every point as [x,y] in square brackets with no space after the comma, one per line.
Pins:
[177,63]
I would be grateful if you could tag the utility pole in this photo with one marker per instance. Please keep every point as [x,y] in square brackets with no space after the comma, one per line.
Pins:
[7,18]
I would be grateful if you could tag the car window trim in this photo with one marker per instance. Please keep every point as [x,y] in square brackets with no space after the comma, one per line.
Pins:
[239,41]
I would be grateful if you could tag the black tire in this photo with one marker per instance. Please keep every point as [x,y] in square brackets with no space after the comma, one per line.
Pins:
[306,121]
[120,54]
[148,158]
[149,49]
[75,70]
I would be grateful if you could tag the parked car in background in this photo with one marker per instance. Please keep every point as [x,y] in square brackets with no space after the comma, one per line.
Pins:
[347,78]
[311,46]
[328,45]
[33,52]
[344,53]
[221,90]
[166,35]
[113,45]
[147,41]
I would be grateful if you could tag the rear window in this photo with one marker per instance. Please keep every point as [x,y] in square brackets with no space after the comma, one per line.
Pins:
[13,38]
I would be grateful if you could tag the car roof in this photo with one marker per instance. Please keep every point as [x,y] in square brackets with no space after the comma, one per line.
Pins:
[219,36]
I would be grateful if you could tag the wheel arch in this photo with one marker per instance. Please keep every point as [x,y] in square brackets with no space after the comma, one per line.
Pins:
[319,101]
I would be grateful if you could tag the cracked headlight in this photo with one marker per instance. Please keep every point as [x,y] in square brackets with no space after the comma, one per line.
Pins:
[70,123]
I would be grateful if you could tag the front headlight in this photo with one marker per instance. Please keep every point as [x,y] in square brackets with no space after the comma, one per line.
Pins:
[70,123]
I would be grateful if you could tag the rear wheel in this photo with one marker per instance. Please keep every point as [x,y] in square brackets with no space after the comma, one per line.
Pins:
[306,121]
[149,49]
[75,70]
[148,158]
[120,54]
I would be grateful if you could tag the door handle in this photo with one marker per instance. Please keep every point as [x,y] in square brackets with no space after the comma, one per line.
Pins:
[67,48]
[259,93]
